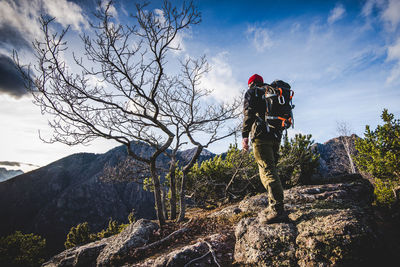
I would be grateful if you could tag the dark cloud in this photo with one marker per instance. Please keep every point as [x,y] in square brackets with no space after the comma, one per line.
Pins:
[11,81]
[10,163]
[11,36]
[16,164]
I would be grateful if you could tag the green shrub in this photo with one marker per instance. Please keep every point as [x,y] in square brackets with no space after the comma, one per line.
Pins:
[224,178]
[378,154]
[379,151]
[297,160]
[383,190]
[112,229]
[79,235]
[20,249]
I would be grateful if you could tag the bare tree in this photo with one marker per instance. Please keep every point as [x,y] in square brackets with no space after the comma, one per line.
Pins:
[201,121]
[130,62]
[344,131]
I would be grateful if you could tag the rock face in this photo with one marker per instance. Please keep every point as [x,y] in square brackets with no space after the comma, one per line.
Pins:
[334,160]
[329,225]
[100,253]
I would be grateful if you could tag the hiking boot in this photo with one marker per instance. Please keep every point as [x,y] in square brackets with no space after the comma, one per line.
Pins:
[268,216]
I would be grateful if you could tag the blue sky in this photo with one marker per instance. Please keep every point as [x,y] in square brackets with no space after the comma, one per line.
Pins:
[342,59]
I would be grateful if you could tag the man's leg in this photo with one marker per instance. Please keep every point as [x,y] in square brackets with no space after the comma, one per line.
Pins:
[265,152]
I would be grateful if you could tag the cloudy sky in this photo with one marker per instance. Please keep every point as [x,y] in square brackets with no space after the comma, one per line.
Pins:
[342,59]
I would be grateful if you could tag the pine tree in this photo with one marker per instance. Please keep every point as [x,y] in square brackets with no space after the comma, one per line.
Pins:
[379,151]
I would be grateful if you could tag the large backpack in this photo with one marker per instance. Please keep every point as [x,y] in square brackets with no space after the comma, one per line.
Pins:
[278,96]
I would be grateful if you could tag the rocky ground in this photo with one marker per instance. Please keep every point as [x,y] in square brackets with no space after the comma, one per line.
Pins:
[328,225]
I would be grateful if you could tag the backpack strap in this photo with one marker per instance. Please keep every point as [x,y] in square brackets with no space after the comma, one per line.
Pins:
[286,123]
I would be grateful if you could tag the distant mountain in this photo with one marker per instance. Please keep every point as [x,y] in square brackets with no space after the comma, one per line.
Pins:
[50,200]
[186,155]
[8,174]
[333,157]
[25,167]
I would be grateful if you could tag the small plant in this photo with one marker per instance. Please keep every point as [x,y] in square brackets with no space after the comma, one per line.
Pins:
[131,216]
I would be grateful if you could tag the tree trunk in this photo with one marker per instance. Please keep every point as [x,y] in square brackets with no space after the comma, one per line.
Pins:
[164,203]
[157,193]
[185,172]
[173,190]
[351,163]
[182,201]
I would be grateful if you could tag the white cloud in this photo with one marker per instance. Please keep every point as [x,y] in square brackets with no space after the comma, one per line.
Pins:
[336,14]
[111,10]
[394,51]
[389,12]
[394,55]
[66,13]
[260,38]
[19,138]
[392,13]
[22,16]
[388,15]
[221,79]
[177,43]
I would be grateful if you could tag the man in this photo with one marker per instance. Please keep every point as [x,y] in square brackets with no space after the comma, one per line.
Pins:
[266,141]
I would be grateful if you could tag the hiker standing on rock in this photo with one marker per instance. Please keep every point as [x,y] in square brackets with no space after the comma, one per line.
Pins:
[267,112]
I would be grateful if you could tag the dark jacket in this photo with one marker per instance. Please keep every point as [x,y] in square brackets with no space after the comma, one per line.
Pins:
[254,110]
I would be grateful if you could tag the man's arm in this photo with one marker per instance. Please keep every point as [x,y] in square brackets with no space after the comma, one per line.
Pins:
[249,111]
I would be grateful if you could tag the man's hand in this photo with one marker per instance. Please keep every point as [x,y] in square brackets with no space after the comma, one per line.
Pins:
[245,144]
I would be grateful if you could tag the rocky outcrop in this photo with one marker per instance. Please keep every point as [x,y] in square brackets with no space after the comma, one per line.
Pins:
[102,252]
[328,225]
[334,159]
[134,236]
[201,253]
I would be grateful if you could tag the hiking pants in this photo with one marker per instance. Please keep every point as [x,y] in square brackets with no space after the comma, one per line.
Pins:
[266,155]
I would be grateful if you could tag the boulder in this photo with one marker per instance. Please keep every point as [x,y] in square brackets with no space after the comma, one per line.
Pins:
[329,225]
[85,255]
[198,254]
[102,252]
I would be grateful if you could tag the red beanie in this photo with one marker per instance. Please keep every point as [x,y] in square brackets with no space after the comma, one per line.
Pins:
[256,78]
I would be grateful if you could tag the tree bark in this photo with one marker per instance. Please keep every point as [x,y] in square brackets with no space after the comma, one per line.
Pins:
[157,193]
[173,190]
[346,145]
[185,172]
[182,200]
[164,203]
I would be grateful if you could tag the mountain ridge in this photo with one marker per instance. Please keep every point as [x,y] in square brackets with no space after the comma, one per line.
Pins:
[50,200]
[8,174]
